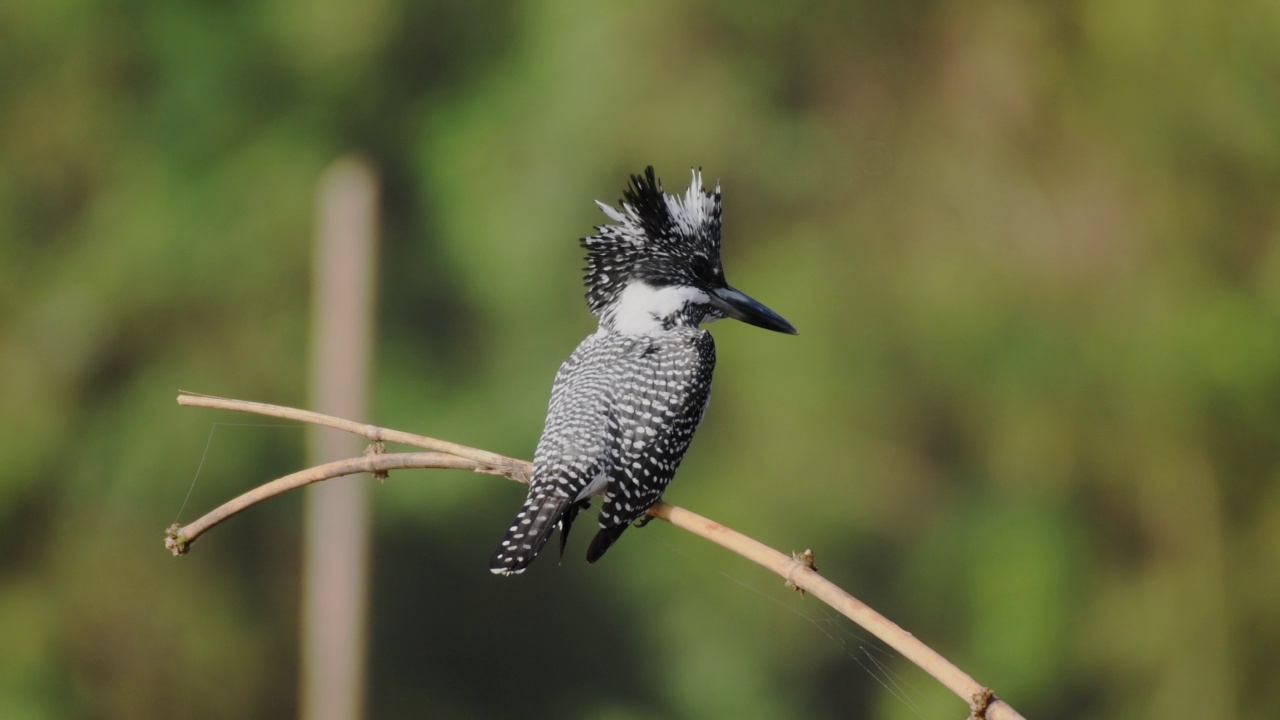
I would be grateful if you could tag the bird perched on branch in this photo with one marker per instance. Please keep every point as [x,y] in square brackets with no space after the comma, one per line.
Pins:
[625,404]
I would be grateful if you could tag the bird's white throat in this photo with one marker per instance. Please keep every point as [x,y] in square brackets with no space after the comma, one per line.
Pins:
[642,309]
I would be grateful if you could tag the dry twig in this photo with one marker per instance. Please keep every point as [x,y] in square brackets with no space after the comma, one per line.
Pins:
[799,571]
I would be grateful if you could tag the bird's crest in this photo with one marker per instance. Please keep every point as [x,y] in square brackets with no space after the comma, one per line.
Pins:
[654,236]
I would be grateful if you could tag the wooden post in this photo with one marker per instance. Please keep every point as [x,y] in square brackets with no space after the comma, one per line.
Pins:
[335,574]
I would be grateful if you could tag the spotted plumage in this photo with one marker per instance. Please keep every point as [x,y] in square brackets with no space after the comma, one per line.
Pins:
[626,403]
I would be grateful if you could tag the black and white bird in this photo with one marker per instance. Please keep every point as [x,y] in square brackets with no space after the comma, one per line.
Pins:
[625,404]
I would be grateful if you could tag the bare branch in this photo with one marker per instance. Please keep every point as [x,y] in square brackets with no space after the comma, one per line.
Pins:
[179,537]
[798,571]
[502,465]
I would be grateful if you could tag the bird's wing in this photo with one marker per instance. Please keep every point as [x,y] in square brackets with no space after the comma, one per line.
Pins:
[577,448]
[671,384]
[572,460]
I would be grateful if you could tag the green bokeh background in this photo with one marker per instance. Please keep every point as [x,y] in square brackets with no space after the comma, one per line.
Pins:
[1033,413]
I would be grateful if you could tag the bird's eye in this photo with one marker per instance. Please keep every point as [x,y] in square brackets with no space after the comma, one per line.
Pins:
[700,266]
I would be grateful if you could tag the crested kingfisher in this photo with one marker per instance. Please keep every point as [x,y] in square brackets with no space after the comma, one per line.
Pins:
[625,404]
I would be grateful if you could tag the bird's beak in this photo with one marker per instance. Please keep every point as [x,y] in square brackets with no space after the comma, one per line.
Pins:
[740,306]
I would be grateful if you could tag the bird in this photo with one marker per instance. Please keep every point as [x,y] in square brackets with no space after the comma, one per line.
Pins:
[625,404]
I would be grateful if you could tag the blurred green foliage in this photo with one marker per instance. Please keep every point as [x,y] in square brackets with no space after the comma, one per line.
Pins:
[1033,413]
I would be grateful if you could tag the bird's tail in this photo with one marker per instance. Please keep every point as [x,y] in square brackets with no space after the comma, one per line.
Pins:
[603,541]
[529,532]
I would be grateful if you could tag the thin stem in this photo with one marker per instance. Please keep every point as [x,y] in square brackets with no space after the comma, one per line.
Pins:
[799,571]
[507,466]
[179,537]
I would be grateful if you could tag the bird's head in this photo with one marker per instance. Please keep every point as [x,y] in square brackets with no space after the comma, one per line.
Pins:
[658,264]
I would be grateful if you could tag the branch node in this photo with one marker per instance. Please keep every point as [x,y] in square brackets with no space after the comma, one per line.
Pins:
[511,469]
[980,703]
[377,447]
[175,541]
[374,433]
[800,561]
